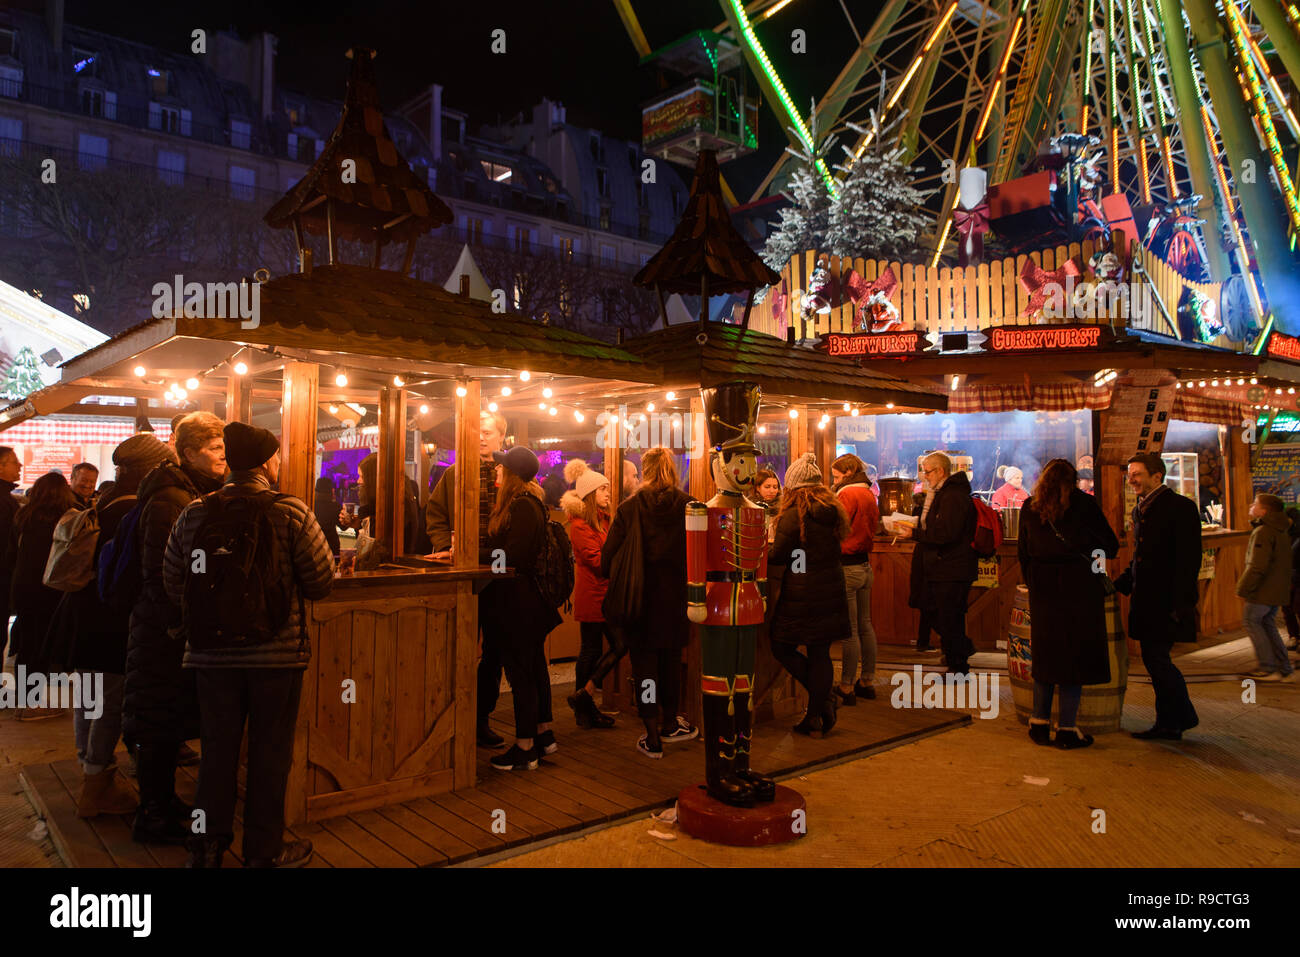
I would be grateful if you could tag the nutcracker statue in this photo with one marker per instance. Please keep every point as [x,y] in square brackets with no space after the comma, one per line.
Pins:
[726,575]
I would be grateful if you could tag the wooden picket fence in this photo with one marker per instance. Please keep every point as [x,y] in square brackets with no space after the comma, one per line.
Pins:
[953,299]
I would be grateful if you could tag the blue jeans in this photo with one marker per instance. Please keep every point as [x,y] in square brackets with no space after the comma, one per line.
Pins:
[1261,625]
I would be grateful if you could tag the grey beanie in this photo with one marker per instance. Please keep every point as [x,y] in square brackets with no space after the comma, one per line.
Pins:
[143,451]
[803,471]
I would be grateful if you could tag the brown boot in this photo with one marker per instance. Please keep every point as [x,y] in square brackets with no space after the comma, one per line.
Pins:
[100,794]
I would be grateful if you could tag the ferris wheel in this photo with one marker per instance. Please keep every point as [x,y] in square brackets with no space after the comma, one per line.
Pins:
[1185,110]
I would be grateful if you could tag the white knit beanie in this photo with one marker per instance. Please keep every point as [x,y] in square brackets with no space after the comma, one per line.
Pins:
[803,471]
[588,482]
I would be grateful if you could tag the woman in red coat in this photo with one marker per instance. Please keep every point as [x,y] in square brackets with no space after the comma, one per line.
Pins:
[587,506]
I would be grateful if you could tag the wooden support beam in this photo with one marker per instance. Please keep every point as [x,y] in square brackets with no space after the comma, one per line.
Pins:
[466,503]
[617,693]
[390,497]
[298,430]
[239,398]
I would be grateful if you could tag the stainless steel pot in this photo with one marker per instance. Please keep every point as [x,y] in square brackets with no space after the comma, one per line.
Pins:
[1010,523]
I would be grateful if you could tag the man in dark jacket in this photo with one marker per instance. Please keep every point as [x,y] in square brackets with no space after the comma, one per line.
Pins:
[11,470]
[1162,580]
[84,477]
[944,565]
[159,712]
[259,683]
[1266,584]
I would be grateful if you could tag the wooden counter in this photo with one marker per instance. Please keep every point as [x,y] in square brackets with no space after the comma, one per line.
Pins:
[387,710]
[989,612]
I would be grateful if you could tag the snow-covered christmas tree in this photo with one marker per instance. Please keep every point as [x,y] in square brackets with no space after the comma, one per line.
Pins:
[878,212]
[24,376]
[804,222]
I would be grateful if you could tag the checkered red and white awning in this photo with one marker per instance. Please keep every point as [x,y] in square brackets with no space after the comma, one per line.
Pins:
[1049,397]
[77,430]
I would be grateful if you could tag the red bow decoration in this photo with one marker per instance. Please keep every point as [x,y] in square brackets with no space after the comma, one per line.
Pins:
[971,226]
[1035,279]
[872,300]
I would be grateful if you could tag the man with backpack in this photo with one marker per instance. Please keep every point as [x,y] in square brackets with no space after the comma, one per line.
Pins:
[240,563]
[944,563]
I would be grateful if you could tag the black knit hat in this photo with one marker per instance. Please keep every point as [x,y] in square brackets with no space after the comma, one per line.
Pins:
[248,447]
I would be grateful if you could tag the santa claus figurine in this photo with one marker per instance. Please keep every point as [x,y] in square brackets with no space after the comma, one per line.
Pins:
[1012,494]
[726,585]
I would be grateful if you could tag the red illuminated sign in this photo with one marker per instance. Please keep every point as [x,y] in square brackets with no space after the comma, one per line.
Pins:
[1284,347]
[1043,338]
[873,343]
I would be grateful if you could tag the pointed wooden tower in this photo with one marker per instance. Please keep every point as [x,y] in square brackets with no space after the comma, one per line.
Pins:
[360,188]
[705,255]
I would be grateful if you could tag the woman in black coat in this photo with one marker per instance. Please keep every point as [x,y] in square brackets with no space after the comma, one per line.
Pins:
[1062,534]
[31,602]
[515,617]
[812,608]
[655,644]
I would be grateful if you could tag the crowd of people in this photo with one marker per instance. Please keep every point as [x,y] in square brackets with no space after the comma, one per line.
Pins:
[171,635]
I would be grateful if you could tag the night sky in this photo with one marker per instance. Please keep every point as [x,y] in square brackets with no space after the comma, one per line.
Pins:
[575,51]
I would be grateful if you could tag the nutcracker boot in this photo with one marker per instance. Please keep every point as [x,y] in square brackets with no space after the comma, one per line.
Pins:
[764,787]
[720,755]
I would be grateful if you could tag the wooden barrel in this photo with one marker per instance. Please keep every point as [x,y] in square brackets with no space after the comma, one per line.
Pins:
[1102,705]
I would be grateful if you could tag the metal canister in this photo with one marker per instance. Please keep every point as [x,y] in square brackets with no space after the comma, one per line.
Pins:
[1010,523]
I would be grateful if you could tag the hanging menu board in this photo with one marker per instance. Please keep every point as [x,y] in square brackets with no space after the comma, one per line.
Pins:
[1140,410]
[1277,471]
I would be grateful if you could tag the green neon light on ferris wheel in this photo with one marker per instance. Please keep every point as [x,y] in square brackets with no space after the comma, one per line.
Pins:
[751,40]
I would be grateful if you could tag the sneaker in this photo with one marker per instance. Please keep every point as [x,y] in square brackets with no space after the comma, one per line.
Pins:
[644,749]
[545,743]
[683,731]
[516,759]
[487,738]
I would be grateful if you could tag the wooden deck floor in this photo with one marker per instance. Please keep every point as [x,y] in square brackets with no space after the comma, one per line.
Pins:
[596,778]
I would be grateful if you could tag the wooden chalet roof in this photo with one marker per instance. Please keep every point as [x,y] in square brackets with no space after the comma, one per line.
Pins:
[356,310]
[387,200]
[779,367]
[706,244]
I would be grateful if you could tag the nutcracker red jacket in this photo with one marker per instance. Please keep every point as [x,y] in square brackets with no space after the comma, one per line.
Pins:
[864,519]
[588,585]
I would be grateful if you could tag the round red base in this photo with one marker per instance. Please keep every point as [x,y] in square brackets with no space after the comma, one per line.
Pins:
[774,822]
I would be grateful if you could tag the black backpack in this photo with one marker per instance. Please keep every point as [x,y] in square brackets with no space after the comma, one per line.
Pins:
[239,599]
[553,573]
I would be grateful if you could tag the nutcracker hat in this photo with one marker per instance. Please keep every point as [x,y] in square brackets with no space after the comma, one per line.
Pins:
[731,415]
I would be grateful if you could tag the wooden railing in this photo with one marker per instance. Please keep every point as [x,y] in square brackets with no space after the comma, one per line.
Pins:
[953,299]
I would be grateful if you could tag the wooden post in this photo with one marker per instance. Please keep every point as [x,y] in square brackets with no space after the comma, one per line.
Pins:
[390,497]
[239,399]
[617,692]
[298,429]
[825,449]
[800,441]
[466,504]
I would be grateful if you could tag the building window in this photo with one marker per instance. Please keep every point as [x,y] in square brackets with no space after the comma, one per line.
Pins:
[604,218]
[496,171]
[171,167]
[608,255]
[297,113]
[241,134]
[242,182]
[564,246]
[602,182]
[92,102]
[473,230]
[85,62]
[9,43]
[11,136]
[160,81]
[593,140]
[92,151]
[523,239]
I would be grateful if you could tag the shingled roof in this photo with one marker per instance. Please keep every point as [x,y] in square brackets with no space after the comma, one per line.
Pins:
[706,244]
[386,200]
[779,367]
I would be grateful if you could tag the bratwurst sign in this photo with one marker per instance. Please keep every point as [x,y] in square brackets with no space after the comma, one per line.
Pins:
[1041,338]
[873,344]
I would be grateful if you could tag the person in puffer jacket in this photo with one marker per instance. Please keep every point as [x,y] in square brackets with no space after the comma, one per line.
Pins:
[159,707]
[261,683]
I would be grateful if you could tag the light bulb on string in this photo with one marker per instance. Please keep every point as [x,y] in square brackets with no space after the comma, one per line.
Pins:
[341,379]
[649,406]
[180,393]
[424,410]
[547,392]
[888,405]
[525,376]
[398,381]
[492,406]
[847,406]
[541,405]
[1215,383]
[506,390]
[461,391]
[794,413]
[241,368]
[192,383]
[670,396]
[578,415]
[140,371]
[1254,381]
[334,410]
[553,411]
[762,430]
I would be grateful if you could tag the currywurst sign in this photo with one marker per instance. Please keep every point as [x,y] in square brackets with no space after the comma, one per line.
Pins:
[1043,338]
